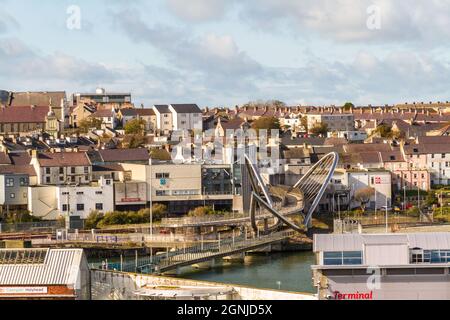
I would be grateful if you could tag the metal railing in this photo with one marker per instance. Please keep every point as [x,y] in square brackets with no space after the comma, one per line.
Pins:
[212,249]
[89,238]
[41,226]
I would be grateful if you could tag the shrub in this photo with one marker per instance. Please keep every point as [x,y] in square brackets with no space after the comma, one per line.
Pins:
[201,212]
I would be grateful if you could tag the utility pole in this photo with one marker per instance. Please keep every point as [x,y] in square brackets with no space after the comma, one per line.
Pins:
[387,225]
[375,203]
[151,200]
[404,197]
[339,206]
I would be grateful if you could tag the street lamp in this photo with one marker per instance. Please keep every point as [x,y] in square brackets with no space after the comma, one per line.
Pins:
[151,200]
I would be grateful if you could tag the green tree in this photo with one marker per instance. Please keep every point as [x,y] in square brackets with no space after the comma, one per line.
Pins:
[304,122]
[267,123]
[384,131]
[348,106]
[201,212]
[363,196]
[93,219]
[133,141]
[431,199]
[87,124]
[136,126]
[319,129]
[160,154]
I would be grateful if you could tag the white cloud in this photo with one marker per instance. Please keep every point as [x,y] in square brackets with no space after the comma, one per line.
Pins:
[198,10]
[346,20]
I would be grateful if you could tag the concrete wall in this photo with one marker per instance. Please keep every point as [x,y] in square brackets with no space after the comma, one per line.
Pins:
[108,285]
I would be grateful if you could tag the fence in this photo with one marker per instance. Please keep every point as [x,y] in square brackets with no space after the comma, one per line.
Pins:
[205,249]
[41,226]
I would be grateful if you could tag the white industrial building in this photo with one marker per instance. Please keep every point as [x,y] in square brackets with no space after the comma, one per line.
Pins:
[59,274]
[413,266]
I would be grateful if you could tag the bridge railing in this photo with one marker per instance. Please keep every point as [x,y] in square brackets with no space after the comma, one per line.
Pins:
[221,246]
[198,220]
[148,264]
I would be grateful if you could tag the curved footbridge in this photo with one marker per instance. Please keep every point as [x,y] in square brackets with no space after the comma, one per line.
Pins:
[291,208]
[206,252]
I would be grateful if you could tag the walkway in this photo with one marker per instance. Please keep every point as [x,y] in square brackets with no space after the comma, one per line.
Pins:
[208,251]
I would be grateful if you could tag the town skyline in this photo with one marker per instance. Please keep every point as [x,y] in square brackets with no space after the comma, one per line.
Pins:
[216,53]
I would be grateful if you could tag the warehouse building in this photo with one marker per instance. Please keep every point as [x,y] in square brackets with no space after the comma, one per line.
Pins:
[44,274]
[382,266]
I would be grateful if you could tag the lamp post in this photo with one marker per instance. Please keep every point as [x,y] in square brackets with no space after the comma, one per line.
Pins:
[404,197]
[151,200]
[387,225]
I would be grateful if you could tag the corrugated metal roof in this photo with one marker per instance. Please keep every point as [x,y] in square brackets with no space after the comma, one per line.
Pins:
[355,242]
[430,241]
[337,242]
[61,267]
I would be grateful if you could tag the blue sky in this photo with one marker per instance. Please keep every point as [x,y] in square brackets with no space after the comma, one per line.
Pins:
[228,52]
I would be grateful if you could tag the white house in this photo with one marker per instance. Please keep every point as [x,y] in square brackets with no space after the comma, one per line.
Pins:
[186,117]
[50,202]
[164,119]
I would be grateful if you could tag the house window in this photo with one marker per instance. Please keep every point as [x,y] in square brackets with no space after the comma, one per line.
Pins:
[86,169]
[47,179]
[47,170]
[23,182]
[72,170]
[162,176]
[61,170]
[98,192]
[99,206]
[80,207]
[25,195]
[80,193]
[65,207]
[10,182]
[12,195]
[339,258]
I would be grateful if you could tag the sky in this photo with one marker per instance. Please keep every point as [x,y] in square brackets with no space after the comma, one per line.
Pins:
[229,52]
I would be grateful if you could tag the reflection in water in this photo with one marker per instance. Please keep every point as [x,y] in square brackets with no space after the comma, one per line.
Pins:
[288,271]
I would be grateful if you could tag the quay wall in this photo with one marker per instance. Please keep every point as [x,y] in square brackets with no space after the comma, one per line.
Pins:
[112,285]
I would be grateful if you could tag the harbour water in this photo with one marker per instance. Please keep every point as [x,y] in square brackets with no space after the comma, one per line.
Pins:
[285,271]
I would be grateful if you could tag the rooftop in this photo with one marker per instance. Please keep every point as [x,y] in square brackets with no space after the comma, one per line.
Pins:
[186,108]
[40,266]
[63,159]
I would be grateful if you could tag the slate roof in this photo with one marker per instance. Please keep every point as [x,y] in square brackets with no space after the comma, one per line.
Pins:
[63,159]
[162,108]
[37,98]
[124,155]
[186,108]
[23,114]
